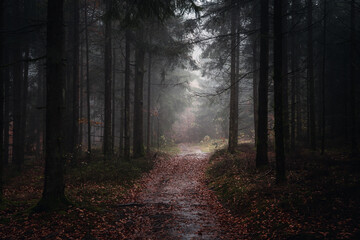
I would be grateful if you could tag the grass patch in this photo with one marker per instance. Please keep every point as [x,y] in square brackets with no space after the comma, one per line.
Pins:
[169,149]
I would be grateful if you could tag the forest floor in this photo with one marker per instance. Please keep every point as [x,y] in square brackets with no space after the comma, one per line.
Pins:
[191,195]
[319,201]
[171,201]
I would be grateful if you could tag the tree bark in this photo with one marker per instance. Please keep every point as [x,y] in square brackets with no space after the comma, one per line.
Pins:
[294,80]
[148,105]
[262,137]
[138,141]
[18,157]
[353,114]
[113,102]
[127,97]
[108,73]
[6,121]
[2,74]
[310,77]
[24,98]
[255,68]
[285,78]
[81,106]
[18,148]
[53,196]
[323,82]
[76,81]
[87,81]
[278,91]
[121,116]
[233,123]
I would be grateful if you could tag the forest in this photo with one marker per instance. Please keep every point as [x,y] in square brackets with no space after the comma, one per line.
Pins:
[179,119]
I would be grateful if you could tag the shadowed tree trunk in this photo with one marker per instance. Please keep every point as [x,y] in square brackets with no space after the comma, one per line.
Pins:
[127,97]
[285,78]
[18,157]
[233,124]
[278,92]
[113,102]
[121,107]
[138,140]
[323,81]
[18,147]
[87,81]
[53,196]
[148,105]
[294,66]
[2,74]
[255,67]
[262,136]
[24,98]
[6,121]
[310,77]
[76,81]
[121,116]
[81,106]
[255,87]
[108,73]
[353,115]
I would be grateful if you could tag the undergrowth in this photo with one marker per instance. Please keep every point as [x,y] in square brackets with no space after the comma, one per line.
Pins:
[319,200]
[91,184]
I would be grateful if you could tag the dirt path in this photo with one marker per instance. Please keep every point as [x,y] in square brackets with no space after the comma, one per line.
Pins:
[176,204]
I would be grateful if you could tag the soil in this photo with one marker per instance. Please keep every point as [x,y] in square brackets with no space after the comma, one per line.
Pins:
[176,203]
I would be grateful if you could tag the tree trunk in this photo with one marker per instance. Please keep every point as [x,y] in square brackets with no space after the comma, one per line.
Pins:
[113,102]
[18,93]
[285,78]
[127,97]
[262,137]
[81,130]
[138,141]
[255,89]
[323,82]
[121,117]
[18,148]
[108,73]
[233,123]
[310,77]
[76,81]
[278,92]
[255,69]
[53,196]
[24,101]
[2,74]
[294,80]
[18,157]
[40,114]
[6,121]
[353,115]
[148,105]
[87,81]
